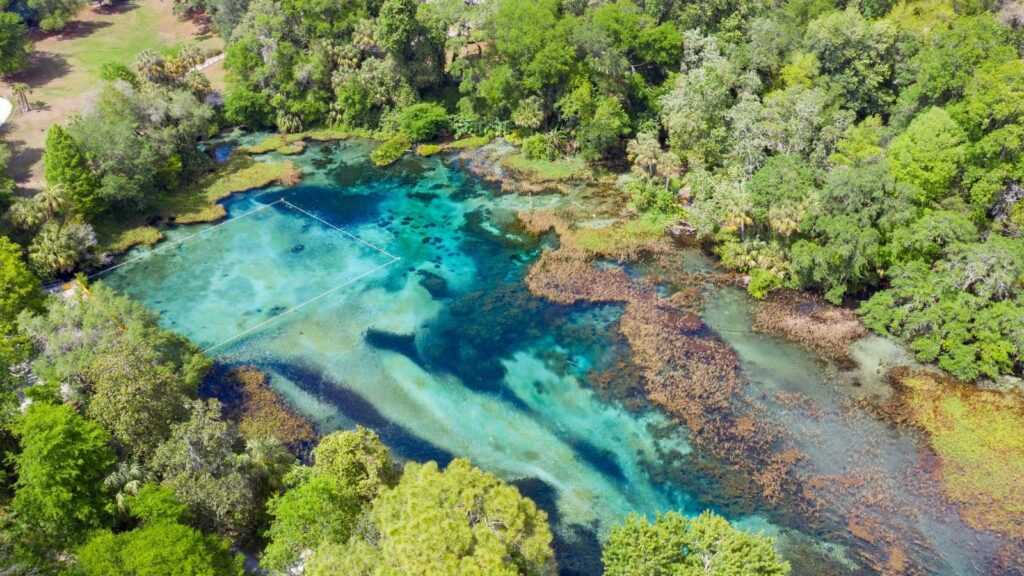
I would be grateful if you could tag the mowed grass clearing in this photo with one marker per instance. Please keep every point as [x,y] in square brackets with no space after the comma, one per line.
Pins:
[64,69]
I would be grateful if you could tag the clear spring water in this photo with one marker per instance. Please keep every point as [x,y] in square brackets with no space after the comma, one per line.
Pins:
[445,353]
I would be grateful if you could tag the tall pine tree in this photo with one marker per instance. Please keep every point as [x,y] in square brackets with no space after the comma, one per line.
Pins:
[65,164]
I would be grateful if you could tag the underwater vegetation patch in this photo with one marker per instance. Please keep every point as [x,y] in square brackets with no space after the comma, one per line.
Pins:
[978,436]
[259,411]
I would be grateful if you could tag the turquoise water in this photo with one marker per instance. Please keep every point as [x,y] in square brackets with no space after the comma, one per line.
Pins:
[394,299]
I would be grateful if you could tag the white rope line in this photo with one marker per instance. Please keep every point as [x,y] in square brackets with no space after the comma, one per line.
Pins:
[310,301]
[356,238]
[293,308]
[185,239]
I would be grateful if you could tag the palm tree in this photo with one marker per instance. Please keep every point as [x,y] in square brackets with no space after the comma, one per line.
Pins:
[22,90]
[736,209]
[25,214]
[50,252]
[268,461]
[364,35]
[61,246]
[51,200]
[150,66]
[643,151]
[125,481]
[669,166]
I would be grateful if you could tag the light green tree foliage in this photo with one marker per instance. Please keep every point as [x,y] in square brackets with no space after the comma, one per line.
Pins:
[968,335]
[695,112]
[162,545]
[951,57]
[14,43]
[84,343]
[19,291]
[929,154]
[423,121]
[357,459]
[460,521]
[59,492]
[674,545]
[992,113]
[314,509]
[200,463]
[396,25]
[140,142]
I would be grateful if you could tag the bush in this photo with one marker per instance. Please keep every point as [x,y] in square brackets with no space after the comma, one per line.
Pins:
[389,152]
[536,147]
[423,121]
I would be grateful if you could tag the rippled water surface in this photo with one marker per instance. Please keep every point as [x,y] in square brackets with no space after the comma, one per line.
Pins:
[394,299]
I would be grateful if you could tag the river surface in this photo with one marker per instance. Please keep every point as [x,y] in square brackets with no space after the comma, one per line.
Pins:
[395,299]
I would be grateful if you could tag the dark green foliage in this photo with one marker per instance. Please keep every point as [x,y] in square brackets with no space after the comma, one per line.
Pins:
[200,463]
[54,15]
[674,544]
[113,71]
[424,121]
[14,43]
[67,166]
[59,492]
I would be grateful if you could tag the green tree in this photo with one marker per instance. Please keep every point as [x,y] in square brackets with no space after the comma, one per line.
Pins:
[59,492]
[54,15]
[396,25]
[357,459]
[316,508]
[858,55]
[60,247]
[423,121]
[200,463]
[65,165]
[430,524]
[14,43]
[19,291]
[946,64]
[162,545]
[136,396]
[929,154]
[674,544]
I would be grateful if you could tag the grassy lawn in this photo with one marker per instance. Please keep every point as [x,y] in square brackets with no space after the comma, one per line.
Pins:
[64,69]
[546,170]
[196,204]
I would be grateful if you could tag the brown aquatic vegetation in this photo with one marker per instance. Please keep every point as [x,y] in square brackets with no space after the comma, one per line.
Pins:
[691,374]
[259,411]
[810,321]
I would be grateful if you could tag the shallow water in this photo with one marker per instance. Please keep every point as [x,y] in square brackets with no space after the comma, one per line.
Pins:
[444,352]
